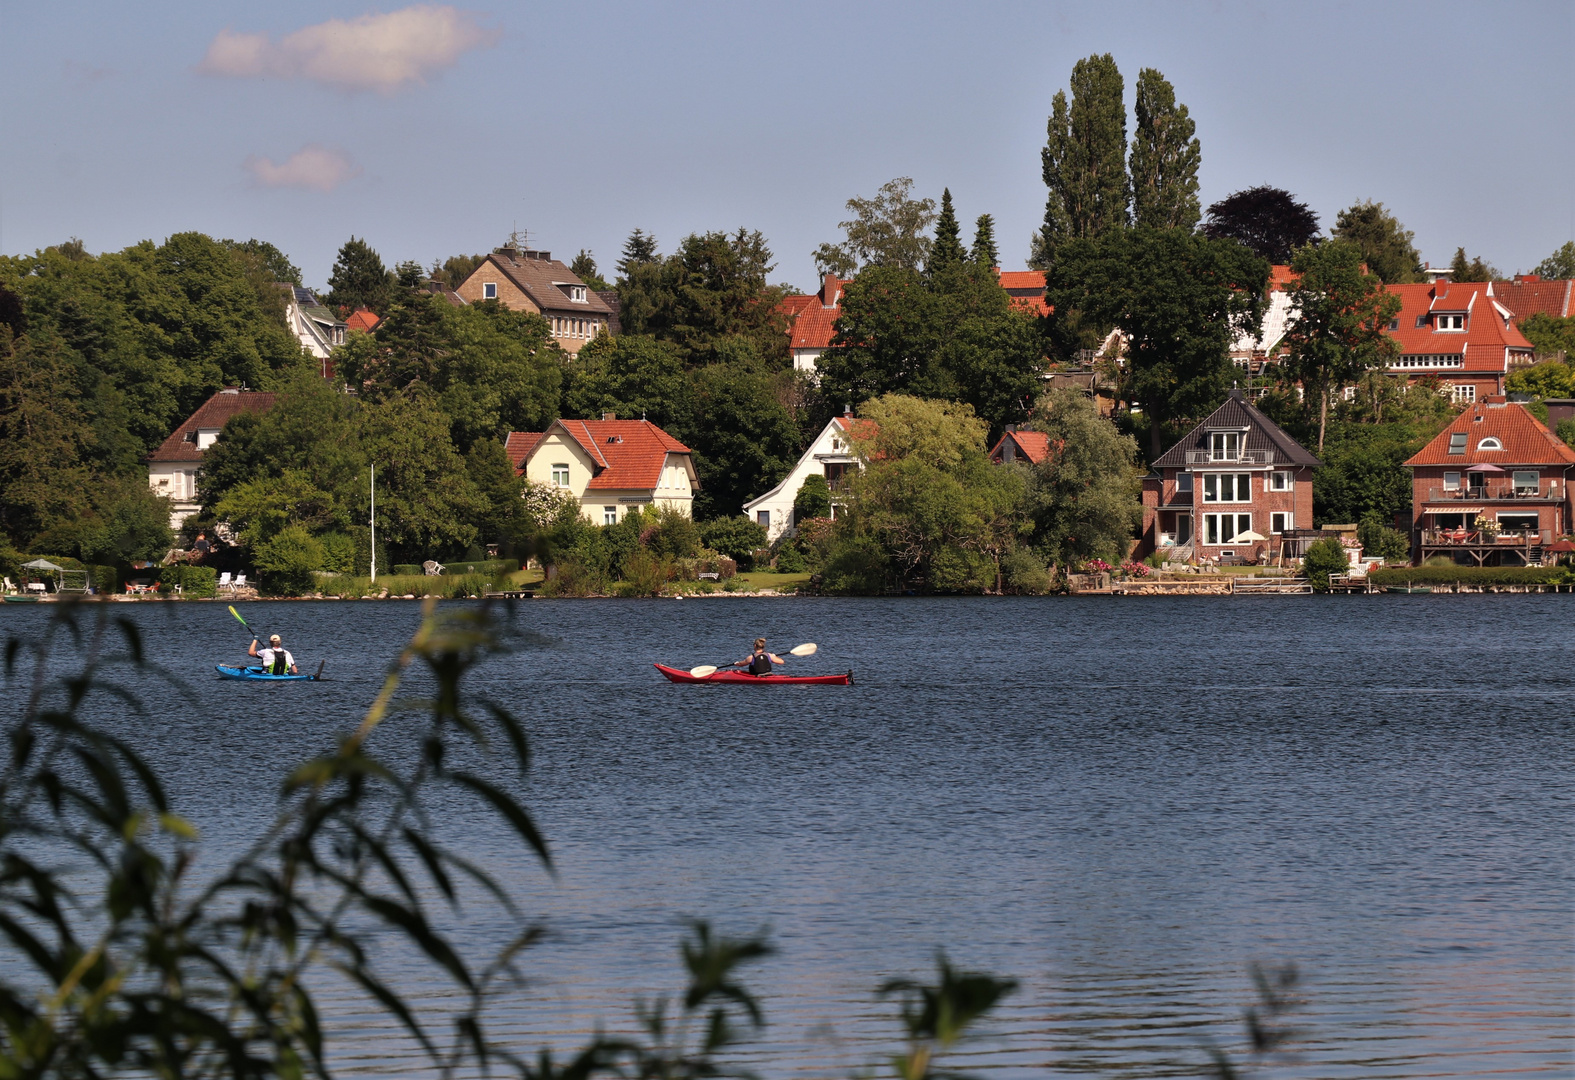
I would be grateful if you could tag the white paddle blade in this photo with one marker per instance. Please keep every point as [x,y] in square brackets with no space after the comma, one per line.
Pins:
[807,649]
[703,670]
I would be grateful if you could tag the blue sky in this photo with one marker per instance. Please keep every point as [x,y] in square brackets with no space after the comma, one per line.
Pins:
[435,133]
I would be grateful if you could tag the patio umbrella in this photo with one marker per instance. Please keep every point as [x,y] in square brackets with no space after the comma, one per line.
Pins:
[1561,546]
[41,564]
[1484,468]
[1250,537]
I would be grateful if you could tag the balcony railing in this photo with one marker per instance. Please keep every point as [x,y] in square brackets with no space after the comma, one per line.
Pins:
[1230,457]
[1485,538]
[1502,492]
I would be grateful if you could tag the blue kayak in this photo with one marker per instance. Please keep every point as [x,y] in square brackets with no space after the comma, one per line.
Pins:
[227,672]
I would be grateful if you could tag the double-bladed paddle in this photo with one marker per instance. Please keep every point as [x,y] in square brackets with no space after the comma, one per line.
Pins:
[315,678]
[806,649]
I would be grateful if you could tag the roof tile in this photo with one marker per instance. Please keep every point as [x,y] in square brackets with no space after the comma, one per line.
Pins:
[210,415]
[1526,441]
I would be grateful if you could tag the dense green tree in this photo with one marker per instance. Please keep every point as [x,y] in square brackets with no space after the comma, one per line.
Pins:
[274,261]
[1178,298]
[262,508]
[888,230]
[359,279]
[1561,264]
[453,270]
[426,503]
[984,250]
[1083,498]
[946,249]
[1387,246]
[1165,158]
[584,268]
[1084,159]
[1340,327]
[813,499]
[1549,334]
[1268,220]
[504,519]
[1462,268]
[1551,378]
[744,440]
[633,375]
[736,537]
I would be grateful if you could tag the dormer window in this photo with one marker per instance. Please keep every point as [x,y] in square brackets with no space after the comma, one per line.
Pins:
[1449,322]
[1489,443]
[577,294]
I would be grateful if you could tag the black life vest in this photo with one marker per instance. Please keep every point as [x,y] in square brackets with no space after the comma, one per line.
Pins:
[760,664]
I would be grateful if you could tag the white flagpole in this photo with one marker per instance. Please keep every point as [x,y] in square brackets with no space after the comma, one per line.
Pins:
[374,524]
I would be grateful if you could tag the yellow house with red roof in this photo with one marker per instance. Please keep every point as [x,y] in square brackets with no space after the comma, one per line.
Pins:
[609,465]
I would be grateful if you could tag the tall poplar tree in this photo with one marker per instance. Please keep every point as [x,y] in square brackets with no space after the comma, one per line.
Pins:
[984,251]
[1085,159]
[1165,157]
[947,250]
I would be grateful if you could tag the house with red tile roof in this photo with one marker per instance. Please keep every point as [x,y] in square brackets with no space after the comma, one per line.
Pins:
[1017,444]
[830,454]
[1460,333]
[172,468]
[1026,288]
[1528,294]
[1492,489]
[1249,351]
[610,465]
[362,319]
[524,280]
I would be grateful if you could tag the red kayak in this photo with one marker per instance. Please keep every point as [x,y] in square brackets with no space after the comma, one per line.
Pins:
[678,675]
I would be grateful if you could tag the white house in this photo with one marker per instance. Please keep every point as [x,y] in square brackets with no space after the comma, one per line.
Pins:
[314,326]
[172,468]
[830,455]
[610,465]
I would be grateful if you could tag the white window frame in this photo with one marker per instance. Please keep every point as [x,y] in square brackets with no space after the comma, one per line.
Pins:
[1241,488]
[1213,530]
[1280,481]
[489,290]
[609,515]
[1224,445]
[1463,393]
[1533,487]
[1491,442]
[1450,323]
[560,476]
[1286,519]
[1451,481]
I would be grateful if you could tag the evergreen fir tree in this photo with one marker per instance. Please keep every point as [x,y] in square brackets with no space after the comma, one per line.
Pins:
[638,250]
[984,251]
[1388,248]
[1165,158]
[359,279]
[947,250]
[1085,158]
[584,268]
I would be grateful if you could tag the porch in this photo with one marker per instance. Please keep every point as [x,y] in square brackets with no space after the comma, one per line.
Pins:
[1526,546]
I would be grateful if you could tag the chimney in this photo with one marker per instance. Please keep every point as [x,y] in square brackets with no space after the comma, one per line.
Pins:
[609,416]
[829,288]
[1009,445]
[847,409]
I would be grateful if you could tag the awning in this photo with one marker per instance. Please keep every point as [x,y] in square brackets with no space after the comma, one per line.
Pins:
[1451,508]
[1484,468]
[41,564]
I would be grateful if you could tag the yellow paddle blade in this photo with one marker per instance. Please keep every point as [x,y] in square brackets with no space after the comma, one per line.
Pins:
[703,670]
[807,649]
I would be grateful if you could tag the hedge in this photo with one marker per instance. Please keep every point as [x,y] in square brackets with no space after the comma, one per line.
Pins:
[1472,575]
[194,581]
[459,566]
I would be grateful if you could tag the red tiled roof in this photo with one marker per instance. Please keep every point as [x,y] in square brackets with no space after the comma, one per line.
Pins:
[1026,288]
[629,454]
[1552,297]
[362,319]
[210,415]
[1488,333]
[1525,440]
[1281,278]
[812,323]
[1032,446]
[519,444]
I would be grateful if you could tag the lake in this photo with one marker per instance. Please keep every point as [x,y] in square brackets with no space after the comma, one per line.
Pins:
[1121,803]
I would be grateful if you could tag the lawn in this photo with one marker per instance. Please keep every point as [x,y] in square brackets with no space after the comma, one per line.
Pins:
[765,579]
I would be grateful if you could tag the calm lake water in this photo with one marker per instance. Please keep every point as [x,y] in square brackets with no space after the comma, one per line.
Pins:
[1123,804]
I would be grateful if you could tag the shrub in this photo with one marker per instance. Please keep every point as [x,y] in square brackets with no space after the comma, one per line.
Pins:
[813,499]
[288,560]
[736,537]
[194,581]
[1156,559]
[644,574]
[1022,571]
[1472,575]
[1381,541]
[571,577]
[855,565]
[106,579]
[1325,557]
[405,569]
[790,560]
[675,535]
[339,552]
[1136,569]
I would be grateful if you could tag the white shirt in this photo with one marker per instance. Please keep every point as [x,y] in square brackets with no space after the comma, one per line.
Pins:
[267,657]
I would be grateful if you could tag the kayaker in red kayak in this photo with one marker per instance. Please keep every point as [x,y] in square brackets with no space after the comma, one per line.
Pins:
[759,662]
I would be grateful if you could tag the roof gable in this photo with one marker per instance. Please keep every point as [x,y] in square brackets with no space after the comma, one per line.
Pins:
[625,455]
[211,415]
[541,279]
[1262,434]
[1524,439]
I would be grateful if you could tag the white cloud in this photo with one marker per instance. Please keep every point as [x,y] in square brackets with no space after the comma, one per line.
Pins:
[317,168]
[373,52]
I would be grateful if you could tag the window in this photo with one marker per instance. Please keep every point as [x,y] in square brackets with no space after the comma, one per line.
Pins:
[1184,483]
[1350,393]
[1464,395]
[1281,520]
[1223,528]
[1394,324]
[1451,479]
[1489,443]
[764,518]
[1521,523]
[560,476]
[609,515]
[1281,481]
[1449,322]
[1227,487]
[489,290]
[1526,481]
[1457,443]
[1224,445]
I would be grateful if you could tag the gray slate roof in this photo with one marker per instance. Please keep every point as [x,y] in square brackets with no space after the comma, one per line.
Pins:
[1262,434]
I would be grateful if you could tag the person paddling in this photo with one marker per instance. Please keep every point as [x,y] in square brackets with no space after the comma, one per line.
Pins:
[276,659]
[759,661]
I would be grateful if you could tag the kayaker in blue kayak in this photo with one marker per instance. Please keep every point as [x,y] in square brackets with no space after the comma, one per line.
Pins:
[759,662]
[276,659]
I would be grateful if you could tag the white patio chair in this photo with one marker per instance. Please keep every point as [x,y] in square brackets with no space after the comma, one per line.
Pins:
[224,580]
[239,582]
[10,588]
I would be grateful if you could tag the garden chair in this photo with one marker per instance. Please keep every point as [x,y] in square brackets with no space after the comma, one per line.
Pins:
[238,583]
[224,580]
[433,568]
[10,588]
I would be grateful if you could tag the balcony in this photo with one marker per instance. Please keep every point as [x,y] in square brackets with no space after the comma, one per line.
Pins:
[1548,491]
[1230,457]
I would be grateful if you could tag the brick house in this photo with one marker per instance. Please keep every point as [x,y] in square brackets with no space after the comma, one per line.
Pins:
[1237,472]
[1492,489]
[1459,332]
[1030,447]
[610,465]
[172,468]
[525,280]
